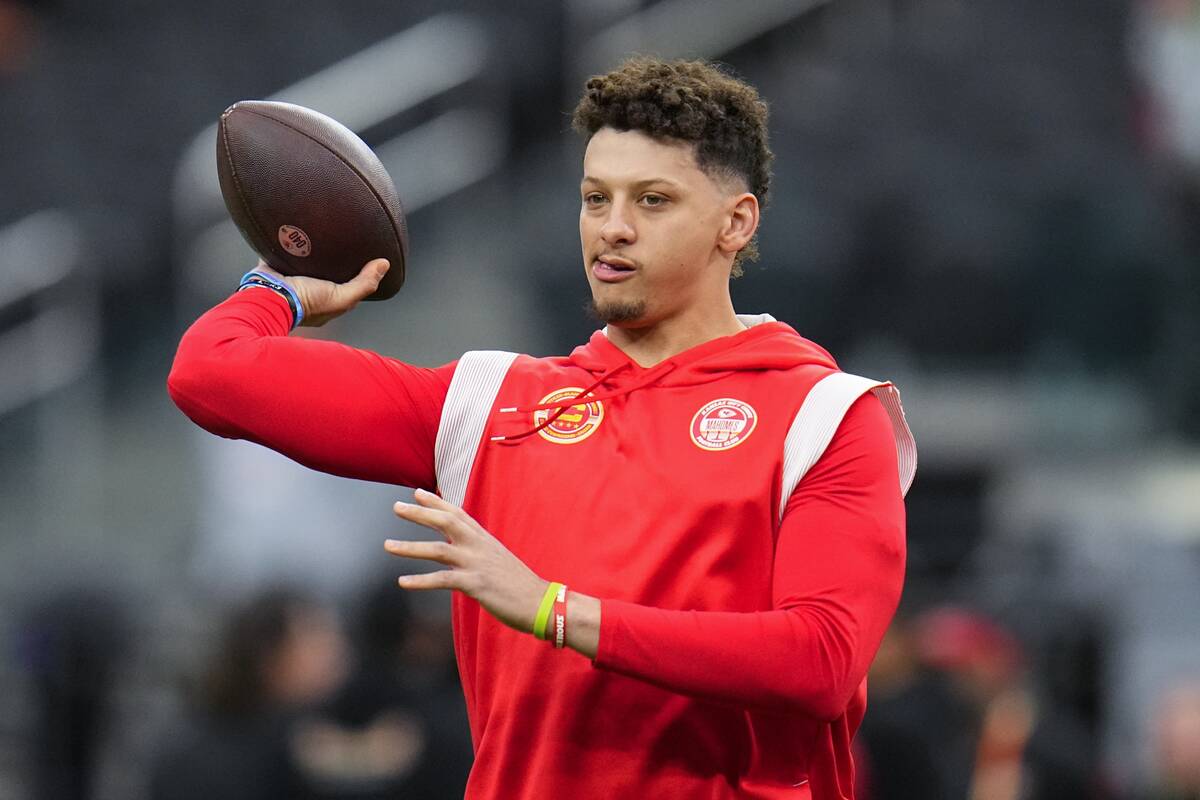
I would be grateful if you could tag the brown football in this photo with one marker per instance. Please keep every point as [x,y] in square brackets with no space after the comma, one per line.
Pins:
[309,195]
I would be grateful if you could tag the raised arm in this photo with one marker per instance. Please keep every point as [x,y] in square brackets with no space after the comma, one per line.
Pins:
[333,408]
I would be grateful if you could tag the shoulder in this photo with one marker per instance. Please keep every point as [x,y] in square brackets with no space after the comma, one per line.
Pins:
[866,422]
[863,449]
[851,431]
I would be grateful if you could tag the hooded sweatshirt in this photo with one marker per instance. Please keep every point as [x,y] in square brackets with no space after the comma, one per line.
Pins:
[744,531]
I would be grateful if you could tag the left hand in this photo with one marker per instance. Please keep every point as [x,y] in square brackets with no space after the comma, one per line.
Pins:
[480,566]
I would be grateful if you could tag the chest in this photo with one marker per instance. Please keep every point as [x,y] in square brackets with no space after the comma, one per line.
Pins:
[620,491]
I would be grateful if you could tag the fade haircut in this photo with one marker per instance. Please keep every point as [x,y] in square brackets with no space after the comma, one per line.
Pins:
[689,101]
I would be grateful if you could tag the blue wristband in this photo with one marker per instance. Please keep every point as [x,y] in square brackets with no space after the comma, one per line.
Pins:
[256,278]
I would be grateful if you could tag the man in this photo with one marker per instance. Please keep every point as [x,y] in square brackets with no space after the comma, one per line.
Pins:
[724,505]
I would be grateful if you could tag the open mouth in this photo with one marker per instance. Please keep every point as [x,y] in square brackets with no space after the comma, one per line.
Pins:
[609,271]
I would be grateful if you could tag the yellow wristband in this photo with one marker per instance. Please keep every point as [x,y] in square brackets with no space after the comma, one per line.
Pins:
[543,612]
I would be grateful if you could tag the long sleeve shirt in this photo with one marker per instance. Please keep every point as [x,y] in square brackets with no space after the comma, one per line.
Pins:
[734,644]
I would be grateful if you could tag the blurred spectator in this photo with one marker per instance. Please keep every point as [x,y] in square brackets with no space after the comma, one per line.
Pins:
[398,727]
[276,716]
[280,655]
[914,734]
[953,715]
[1021,752]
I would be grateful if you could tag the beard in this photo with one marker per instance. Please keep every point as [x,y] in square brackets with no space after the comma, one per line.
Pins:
[616,312]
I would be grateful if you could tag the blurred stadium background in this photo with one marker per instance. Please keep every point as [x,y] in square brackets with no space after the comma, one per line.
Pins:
[994,203]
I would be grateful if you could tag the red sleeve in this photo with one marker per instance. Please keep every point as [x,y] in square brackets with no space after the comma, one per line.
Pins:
[838,572]
[331,407]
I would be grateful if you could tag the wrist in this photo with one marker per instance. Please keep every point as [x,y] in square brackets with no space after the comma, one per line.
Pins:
[579,624]
[542,618]
[557,632]
[255,279]
[583,632]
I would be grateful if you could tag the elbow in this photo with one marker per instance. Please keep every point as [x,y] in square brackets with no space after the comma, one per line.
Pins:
[194,385]
[216,373]
[822,700]
[823,686]
[177,386]
[830,702]
[203,371]
[184,384]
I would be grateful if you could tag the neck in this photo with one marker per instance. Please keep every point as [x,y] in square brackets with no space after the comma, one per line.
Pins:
[651,344]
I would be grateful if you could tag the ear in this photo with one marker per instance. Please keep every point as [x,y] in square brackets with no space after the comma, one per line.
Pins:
[740,224]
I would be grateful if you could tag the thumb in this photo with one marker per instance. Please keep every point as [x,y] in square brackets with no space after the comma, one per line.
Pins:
[367,280]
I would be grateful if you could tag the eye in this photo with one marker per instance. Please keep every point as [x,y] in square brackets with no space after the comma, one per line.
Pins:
[593,199]
[653,200]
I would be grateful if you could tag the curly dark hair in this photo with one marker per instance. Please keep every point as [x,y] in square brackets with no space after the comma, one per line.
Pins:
[692,101]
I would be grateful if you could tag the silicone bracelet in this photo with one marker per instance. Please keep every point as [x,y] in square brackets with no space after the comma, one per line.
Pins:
[543,612]
[256,278]
[559,617]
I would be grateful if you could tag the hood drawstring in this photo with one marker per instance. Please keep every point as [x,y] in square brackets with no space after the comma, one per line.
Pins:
[765,345]
[561,406]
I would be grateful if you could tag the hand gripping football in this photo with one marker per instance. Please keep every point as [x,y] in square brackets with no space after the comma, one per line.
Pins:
[309,195]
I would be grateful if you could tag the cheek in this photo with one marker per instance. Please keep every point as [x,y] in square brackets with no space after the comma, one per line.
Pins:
[688,241]
[589,222]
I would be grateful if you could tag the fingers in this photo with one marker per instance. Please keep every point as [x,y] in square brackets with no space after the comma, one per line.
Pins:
[441,552]
[373,271]
[366,281]
[432,500]
[453,523]
[434,512]
[432,518]
[442,579]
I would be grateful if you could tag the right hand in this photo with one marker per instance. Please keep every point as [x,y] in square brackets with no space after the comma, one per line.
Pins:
[324,300]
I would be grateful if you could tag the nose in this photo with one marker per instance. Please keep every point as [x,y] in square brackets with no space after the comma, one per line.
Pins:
[617,229]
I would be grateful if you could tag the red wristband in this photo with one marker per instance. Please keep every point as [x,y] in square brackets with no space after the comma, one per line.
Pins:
[558,619]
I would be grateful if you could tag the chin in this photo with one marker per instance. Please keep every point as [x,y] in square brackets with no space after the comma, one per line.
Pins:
[622,313]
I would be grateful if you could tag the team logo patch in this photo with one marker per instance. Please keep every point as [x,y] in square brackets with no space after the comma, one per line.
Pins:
[723,424]
[573,425]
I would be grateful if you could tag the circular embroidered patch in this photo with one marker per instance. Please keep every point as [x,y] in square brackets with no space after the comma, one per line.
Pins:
[573,425]
[723,424]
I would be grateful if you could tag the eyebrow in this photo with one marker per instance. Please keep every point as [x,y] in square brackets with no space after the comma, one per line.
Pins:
[636,184]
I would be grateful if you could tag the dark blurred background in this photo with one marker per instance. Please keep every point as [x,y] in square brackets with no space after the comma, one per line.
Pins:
[995,203]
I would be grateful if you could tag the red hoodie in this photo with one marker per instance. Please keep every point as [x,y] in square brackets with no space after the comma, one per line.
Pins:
[735,636]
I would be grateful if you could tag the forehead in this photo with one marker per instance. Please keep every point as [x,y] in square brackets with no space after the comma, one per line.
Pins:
[616,156]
